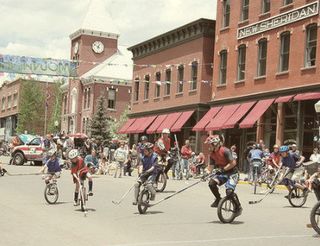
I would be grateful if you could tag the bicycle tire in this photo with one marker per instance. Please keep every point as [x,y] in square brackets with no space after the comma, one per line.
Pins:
[224,205]
[296,194]
[51,190]
[315,217]
[143,201]
[161,182]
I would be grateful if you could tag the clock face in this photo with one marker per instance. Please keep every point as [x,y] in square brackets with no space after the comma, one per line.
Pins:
[76,48]
[98,47]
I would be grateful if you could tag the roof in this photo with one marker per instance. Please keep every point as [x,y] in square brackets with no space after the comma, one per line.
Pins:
[98,20]
[116,67]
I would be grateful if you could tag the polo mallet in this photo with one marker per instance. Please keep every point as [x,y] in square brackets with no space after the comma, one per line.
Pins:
[179,191]
[121,199]
[178,150]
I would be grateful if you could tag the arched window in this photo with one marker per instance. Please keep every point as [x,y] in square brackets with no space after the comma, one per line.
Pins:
[74,100]
[241,68]
[311,45]
[262,57]
[223,67]
[284,51]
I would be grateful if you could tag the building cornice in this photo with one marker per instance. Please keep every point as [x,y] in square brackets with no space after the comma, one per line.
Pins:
[266,94]
[197,29]
[170,110]
[87,32]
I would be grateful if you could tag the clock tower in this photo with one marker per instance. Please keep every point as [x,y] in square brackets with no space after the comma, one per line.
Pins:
[96,39]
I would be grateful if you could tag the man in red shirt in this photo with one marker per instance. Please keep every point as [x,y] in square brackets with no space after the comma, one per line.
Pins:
[186,153]
[80,171]
[221,157]
[163,144]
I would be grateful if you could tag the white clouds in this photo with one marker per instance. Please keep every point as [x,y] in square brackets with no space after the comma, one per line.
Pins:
[41,28]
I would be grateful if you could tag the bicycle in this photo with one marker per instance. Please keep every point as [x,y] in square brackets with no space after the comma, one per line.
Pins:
[161,179]
[51,192]
[256,164]
[144,199]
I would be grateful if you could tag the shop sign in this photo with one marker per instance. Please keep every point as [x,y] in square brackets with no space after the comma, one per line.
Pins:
[279,20]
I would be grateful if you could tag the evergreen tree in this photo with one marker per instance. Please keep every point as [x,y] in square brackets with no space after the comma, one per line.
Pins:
[31,107]
[99,126]
[115,126]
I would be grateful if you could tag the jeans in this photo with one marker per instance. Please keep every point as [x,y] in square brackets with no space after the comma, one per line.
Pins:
[185,166]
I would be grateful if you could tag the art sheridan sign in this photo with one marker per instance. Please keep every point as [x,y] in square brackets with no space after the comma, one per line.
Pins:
[38,66]
[279,20]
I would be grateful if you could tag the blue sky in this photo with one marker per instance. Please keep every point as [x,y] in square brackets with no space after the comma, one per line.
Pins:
[41,28]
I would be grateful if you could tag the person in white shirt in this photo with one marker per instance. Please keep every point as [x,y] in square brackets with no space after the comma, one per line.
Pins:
[315,157]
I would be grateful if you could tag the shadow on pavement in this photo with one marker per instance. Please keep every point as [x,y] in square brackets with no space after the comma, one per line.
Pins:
[295,207]
[167,191]
[219,222]
[151,212]
[88,209]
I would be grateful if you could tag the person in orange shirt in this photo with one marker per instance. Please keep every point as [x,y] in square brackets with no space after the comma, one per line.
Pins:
[186,153]
[163,144]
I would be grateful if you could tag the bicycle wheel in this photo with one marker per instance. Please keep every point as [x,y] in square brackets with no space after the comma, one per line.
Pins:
[161,182]
[51,193]
[315,217]
[297,197]
[227,210]
[143,201]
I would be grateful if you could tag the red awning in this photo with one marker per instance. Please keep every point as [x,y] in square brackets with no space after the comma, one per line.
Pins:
[145,123]
[126,126]
[184,117]
[284,99]
[256,113]
[240,112]
[157,122]
[307,96]
[169,121]
[225,113]
[200,126]
[133,128]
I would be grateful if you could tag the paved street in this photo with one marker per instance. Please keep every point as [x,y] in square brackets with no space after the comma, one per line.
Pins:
[186,219]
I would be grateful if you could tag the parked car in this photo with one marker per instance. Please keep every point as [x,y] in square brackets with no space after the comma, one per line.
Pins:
[29,151]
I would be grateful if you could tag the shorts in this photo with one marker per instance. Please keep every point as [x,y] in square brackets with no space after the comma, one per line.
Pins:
[229,180]
[83,176]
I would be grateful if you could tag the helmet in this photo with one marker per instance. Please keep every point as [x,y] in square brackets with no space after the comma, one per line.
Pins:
[213,139]
[143,138]
[166,130]
[51,153]
[73,154]
[284,148]
[148,146]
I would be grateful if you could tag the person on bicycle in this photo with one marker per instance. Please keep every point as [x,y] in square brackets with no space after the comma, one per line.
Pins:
[52,166]
[255,155]
[92,157]
[221,157]
[147,172]
[77,164]
[291,161]
[162,148]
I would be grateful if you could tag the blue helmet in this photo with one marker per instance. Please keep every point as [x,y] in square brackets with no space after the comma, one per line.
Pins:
[284,148]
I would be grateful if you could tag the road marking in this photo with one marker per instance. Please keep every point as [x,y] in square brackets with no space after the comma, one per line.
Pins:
[211,240]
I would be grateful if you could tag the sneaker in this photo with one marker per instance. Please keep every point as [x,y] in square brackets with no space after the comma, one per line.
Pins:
[90,193]
[215,203]
[239,211]
[75,203]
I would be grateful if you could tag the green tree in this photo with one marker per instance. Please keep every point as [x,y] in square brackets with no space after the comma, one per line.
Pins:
[115,125]
[99,126]
[31,107]
[56,113]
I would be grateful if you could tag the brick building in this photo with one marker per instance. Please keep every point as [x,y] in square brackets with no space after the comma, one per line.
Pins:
[10,104]
[266,72]
[104,68]
[172,82]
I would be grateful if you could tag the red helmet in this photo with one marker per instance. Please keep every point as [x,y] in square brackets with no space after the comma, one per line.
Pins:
[213,139]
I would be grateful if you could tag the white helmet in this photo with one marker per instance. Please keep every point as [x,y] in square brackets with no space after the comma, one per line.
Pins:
[166,130]
[51,152]
[73,153]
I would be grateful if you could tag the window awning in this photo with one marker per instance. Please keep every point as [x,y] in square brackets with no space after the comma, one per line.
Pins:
[126,126]
[169,121]
[284,99]
[200,126]
[184,117]
[307,96]
[238,114]
[156,123]
[133,128]
[145,123]
[225,113]
[256,113]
